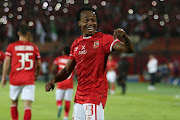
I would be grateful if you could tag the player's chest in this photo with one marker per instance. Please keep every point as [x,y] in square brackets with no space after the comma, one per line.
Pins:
[88,49]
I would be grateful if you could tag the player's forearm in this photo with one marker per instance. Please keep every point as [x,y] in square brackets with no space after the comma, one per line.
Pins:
[38,70]
[62,75]
[128,44]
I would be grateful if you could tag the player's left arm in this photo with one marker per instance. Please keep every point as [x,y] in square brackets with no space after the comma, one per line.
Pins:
[38,68]
[126,46]
[6,66]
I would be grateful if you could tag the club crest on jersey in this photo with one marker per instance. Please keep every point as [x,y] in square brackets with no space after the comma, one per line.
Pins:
[96,44]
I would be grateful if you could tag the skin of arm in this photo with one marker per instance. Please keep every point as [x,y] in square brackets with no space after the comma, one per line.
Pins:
[38,69]
[127,45]
[6,66]
[62,75]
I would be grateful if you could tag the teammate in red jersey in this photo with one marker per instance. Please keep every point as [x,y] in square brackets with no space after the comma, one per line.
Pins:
[23,57]
[89,54]
[111,74]
[1,57]
[64,89]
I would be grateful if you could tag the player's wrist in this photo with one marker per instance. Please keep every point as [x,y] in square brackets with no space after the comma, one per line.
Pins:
[52,81]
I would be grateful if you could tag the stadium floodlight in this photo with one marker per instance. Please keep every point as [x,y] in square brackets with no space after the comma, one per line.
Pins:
[19,17]
[166,16]
[50,8]
[86,1]
[37,1]
[6,9]
[10,15]
[156,17]
[130,11]
[5,4]
[51,17]
[103,3]
[19,9]
[162,23]
[94,6]
[45,4]
[22,2]
[30,23]
[72,2]
[65,10]
[154,3]
[150,12]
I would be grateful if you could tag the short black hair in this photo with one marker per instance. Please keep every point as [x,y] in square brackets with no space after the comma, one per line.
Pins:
[85,8]
[66,50]
[23,29]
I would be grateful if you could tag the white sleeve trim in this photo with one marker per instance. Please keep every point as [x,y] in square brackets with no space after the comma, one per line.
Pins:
[7,53]
[70,54]
[113,44]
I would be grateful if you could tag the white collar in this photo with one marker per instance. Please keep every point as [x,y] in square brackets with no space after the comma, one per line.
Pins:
[86,37]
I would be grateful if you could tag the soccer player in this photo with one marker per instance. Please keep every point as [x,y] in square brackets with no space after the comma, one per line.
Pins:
[89,53]
[64,89]
[111,74]
[25,68]
[152,66]
[123,67]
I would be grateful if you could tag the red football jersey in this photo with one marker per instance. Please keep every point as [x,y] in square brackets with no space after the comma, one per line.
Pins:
[1,56]
[111,65]
[90,54]
[61,62]
[23,56]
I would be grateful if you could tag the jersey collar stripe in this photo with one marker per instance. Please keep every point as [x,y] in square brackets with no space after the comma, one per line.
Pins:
[113,44]
[7,53]
[86,37]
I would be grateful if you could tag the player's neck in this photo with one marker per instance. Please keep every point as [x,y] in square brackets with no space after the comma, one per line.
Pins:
[23,38]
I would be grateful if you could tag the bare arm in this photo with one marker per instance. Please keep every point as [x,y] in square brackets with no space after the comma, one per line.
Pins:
[6,66]
[62,75]
[38,69]
[127,45]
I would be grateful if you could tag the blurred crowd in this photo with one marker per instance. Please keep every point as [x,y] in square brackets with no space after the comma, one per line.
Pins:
[56,20]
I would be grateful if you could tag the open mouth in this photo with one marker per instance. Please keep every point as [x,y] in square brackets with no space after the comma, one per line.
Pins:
[90,29]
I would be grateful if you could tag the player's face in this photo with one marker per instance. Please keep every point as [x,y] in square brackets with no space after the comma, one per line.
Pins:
[88,23]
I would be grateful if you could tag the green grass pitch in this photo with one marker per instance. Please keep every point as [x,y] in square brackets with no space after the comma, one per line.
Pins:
[137,104]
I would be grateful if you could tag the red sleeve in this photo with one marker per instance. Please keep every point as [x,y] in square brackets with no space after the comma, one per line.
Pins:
[2,55]
[55,61]
[9,50]
[108,42]
[71,55]
[37,52]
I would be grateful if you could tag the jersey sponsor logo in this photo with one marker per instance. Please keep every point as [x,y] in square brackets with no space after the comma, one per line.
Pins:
[76,48]
[96,44]
[24,48]
[83,50]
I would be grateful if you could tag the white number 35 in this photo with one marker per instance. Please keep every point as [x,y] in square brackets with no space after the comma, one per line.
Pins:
[25,58]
